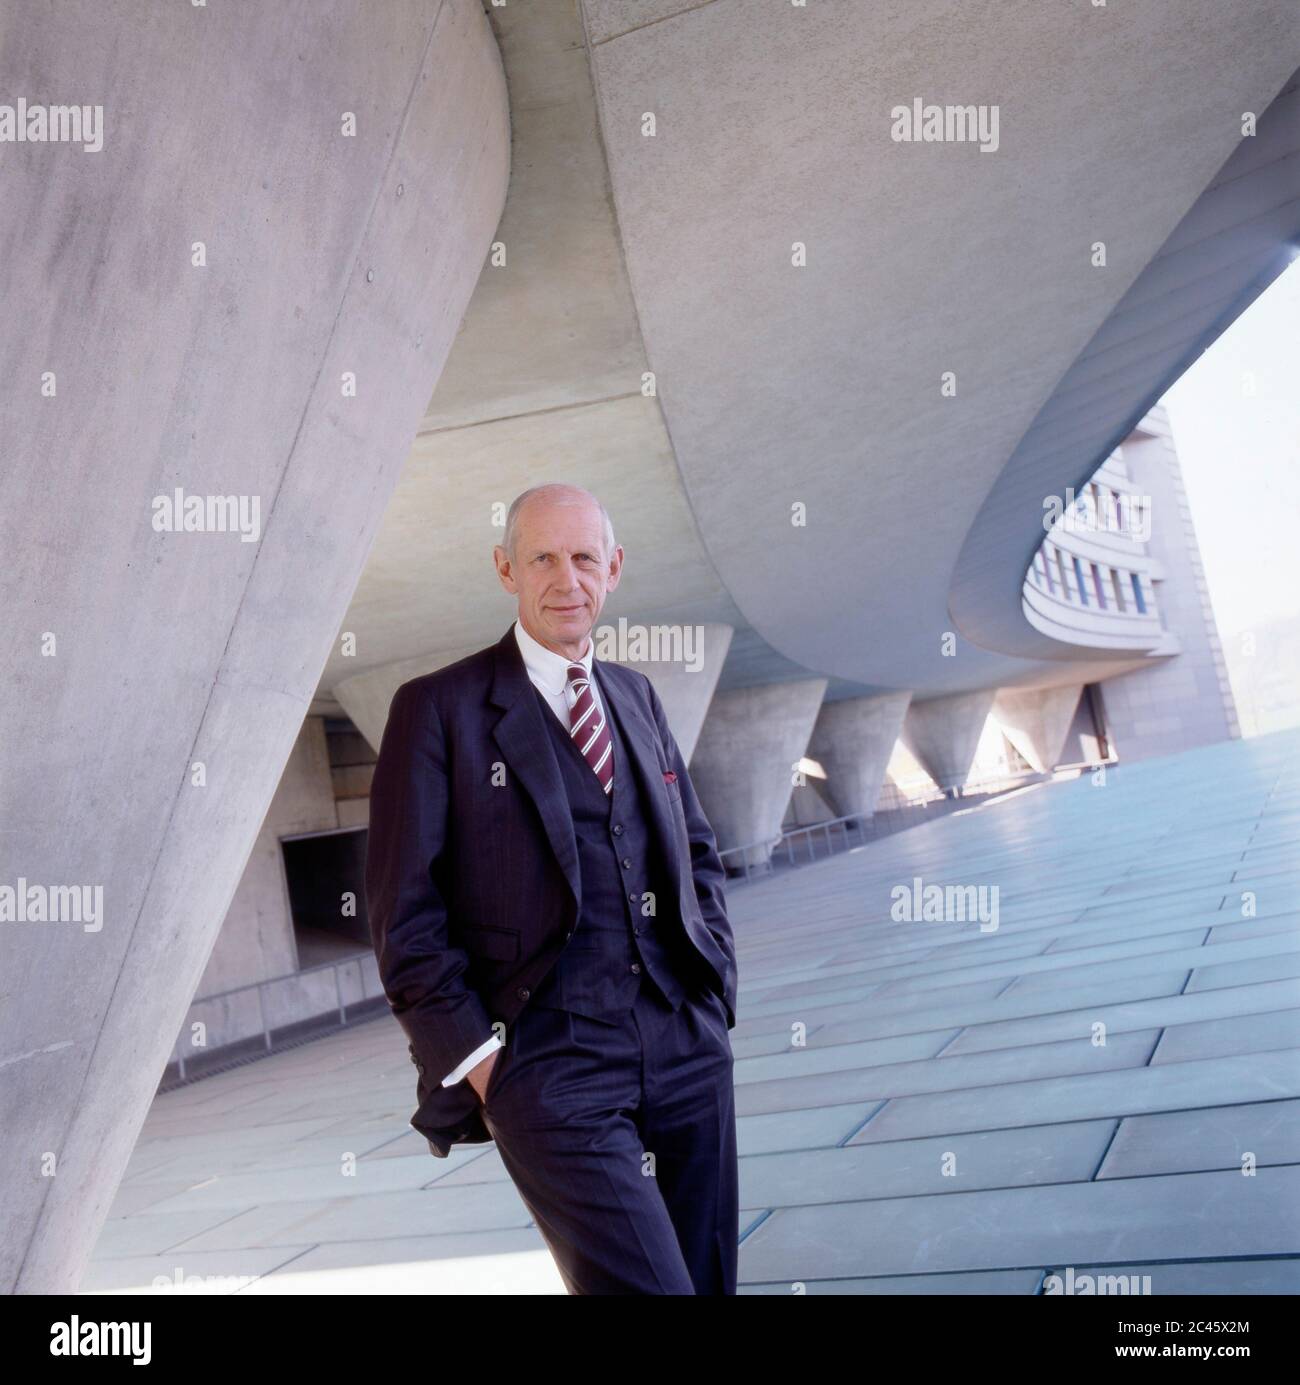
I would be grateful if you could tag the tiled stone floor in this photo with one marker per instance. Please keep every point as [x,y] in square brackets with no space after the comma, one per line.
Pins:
[924,1107]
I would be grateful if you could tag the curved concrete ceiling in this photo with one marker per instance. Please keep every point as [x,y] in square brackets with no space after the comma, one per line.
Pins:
[544,383]
[1241,233]
[820,385]
[817,385]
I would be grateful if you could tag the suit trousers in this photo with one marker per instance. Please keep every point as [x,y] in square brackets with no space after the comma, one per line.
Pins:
[621,1140]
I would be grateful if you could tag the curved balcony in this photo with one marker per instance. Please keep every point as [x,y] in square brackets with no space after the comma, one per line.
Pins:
[1092,582]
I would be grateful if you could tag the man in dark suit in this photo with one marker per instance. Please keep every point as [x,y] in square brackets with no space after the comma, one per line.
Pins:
[546,904]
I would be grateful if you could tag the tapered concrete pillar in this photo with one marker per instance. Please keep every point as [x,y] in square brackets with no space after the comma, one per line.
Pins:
[944,734]
[853,740]
[1037,720]
[366,697]
[685,684]
[248,292]
[745,759]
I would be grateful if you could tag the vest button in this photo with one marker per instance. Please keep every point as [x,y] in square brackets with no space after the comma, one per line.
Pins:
[627,863]
[636,967]
[632,896]
[618,829]
[523,993]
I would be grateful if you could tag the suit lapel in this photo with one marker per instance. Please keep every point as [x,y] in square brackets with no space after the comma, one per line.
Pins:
[521,733]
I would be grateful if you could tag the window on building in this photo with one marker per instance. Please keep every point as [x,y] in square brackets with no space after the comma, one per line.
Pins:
[1078,582]
[1138,599]
[1117,587]
[1097,587]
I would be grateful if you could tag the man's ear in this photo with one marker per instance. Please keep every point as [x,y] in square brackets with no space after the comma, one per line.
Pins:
[615,569]
[505,570]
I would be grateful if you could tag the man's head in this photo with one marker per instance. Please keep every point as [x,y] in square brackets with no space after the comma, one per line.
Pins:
[558,556]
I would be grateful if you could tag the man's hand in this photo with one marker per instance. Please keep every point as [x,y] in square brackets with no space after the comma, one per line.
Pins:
[479,1077]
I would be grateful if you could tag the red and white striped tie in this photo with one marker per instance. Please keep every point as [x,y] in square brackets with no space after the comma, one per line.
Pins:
[588,729]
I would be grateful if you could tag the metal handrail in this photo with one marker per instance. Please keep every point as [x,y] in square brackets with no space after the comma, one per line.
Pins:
[357,960]
[868,827]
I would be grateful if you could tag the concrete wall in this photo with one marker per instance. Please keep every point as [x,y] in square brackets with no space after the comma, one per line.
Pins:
[256,938]
[1185,701]
[135,654]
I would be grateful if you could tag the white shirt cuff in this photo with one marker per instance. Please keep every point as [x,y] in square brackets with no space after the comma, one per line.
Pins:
[473,1060]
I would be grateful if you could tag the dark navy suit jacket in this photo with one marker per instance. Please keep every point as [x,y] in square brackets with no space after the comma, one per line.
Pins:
[472,868]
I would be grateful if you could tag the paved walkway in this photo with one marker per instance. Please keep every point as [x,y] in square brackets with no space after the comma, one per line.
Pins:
[925,1106]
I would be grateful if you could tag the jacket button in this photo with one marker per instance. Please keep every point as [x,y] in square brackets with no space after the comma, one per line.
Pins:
[618,829]
[523,993]
[636,967]
[627,863]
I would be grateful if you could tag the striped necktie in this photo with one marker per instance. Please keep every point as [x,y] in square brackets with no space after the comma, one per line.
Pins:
[588,729]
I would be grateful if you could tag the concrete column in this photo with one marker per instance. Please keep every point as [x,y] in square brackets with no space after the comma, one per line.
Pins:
[744,762]
[189,308]
[853,740]
[1037,720]
[944,734]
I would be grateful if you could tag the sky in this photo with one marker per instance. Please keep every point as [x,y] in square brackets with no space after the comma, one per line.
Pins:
[1240,455]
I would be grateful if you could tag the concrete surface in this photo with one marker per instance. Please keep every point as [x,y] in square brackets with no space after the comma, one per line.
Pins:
[325,254]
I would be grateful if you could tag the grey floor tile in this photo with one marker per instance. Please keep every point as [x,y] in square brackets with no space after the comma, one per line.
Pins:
[1181,1217]
[1213,1137]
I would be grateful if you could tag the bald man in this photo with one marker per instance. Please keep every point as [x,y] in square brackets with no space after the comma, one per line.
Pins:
[546,904]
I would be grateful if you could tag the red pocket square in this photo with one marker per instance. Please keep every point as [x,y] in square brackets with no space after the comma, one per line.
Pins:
[669,777]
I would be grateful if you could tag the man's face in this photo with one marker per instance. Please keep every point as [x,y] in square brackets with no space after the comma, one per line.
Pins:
[560,572]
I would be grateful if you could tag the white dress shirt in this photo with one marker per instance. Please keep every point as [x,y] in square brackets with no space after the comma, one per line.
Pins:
[549,674]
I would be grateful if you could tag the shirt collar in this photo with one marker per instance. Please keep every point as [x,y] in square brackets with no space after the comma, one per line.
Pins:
[546,668]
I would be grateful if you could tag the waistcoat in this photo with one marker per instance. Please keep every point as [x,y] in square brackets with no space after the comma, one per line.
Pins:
[628,933]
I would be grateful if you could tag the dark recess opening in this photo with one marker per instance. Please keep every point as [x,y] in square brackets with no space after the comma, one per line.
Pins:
[321,869]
